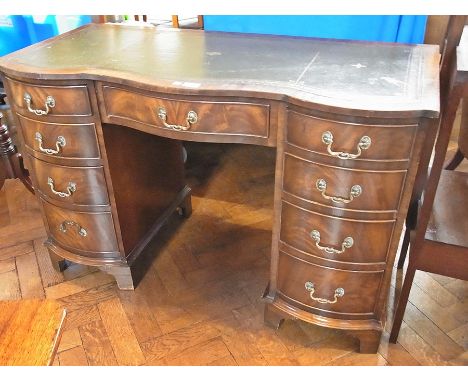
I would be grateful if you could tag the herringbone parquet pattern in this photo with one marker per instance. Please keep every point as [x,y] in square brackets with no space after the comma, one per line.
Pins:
[199,302]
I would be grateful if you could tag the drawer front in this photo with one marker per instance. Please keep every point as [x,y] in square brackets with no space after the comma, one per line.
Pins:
[343,188]
[387,143]
[74,185]
[61,140]
[338,239]
[67,100]
[83,231]
[327,289]
[220,118]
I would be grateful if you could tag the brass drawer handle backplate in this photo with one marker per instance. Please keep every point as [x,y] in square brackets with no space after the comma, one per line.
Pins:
[81,231]
[192,118]
[364,144]
[58,144]
[355,191]
[348,242]
[49,104]
[71,188]
[310,287]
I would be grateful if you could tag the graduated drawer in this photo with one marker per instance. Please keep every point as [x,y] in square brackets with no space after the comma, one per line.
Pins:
[82,231]
[370,239]
[85,186]
[212,117]
[313,287]
[64,100]
[387,142]
[343,188]
[60,140]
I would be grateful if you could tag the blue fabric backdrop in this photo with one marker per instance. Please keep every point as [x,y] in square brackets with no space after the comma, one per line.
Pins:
[18,31]
[404,29]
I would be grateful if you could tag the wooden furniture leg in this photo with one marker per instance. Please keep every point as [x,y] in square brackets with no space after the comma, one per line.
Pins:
[123,276]
[128,276]
[369,340]
[403,301]
[273,317]
[185,208]
[455,161]
[58,262]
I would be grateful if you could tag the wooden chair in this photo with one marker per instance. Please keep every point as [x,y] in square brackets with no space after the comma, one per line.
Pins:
[197,25]
[439,242]
[175,20]
[11,161]
[449,44]
[462,150]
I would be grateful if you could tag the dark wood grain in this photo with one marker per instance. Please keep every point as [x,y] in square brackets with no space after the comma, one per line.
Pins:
[100,234]
[145,182]
[389,142]
[216,119]
[354,304]
[380,191]
[370,237]
[90,185]
[69,100]
[81,139]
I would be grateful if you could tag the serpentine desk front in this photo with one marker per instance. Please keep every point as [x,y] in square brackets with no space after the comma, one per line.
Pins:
[102,112]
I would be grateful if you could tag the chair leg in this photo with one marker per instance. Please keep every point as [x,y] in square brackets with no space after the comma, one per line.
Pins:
[404,249]
[402,302]
[455,161]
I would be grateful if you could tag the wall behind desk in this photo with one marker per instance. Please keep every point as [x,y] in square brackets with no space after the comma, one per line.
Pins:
[402,29]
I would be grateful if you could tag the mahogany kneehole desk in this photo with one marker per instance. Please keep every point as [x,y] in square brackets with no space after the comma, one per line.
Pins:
[102,112]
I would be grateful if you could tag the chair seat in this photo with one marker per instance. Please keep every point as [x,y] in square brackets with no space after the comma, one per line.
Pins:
[449,223]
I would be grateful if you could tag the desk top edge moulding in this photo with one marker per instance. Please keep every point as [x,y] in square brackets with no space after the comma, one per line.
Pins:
[102,112]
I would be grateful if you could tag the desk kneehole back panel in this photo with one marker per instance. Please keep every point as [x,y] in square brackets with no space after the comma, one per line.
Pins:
[102,141]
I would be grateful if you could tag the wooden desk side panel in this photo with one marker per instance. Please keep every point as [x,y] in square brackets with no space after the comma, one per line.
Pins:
[147,174]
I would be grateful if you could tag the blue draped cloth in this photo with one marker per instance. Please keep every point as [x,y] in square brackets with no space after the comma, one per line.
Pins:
[402,29]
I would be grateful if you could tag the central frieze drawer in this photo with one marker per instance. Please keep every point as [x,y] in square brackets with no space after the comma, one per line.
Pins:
[364,142]
[60,140]
[343,188]
[42,100]
[208,117]
[338,239]
[84,186]
[327,289]
[82,231]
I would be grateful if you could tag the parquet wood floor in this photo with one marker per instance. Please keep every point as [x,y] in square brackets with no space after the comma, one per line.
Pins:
[199,302]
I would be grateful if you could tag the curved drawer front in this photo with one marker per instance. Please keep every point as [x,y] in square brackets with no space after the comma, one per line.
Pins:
[82,231]
[61,140]
[331,239]
[74,185]
[212,117]
[343,188]
[327,289]
[387,143]
[66,100]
